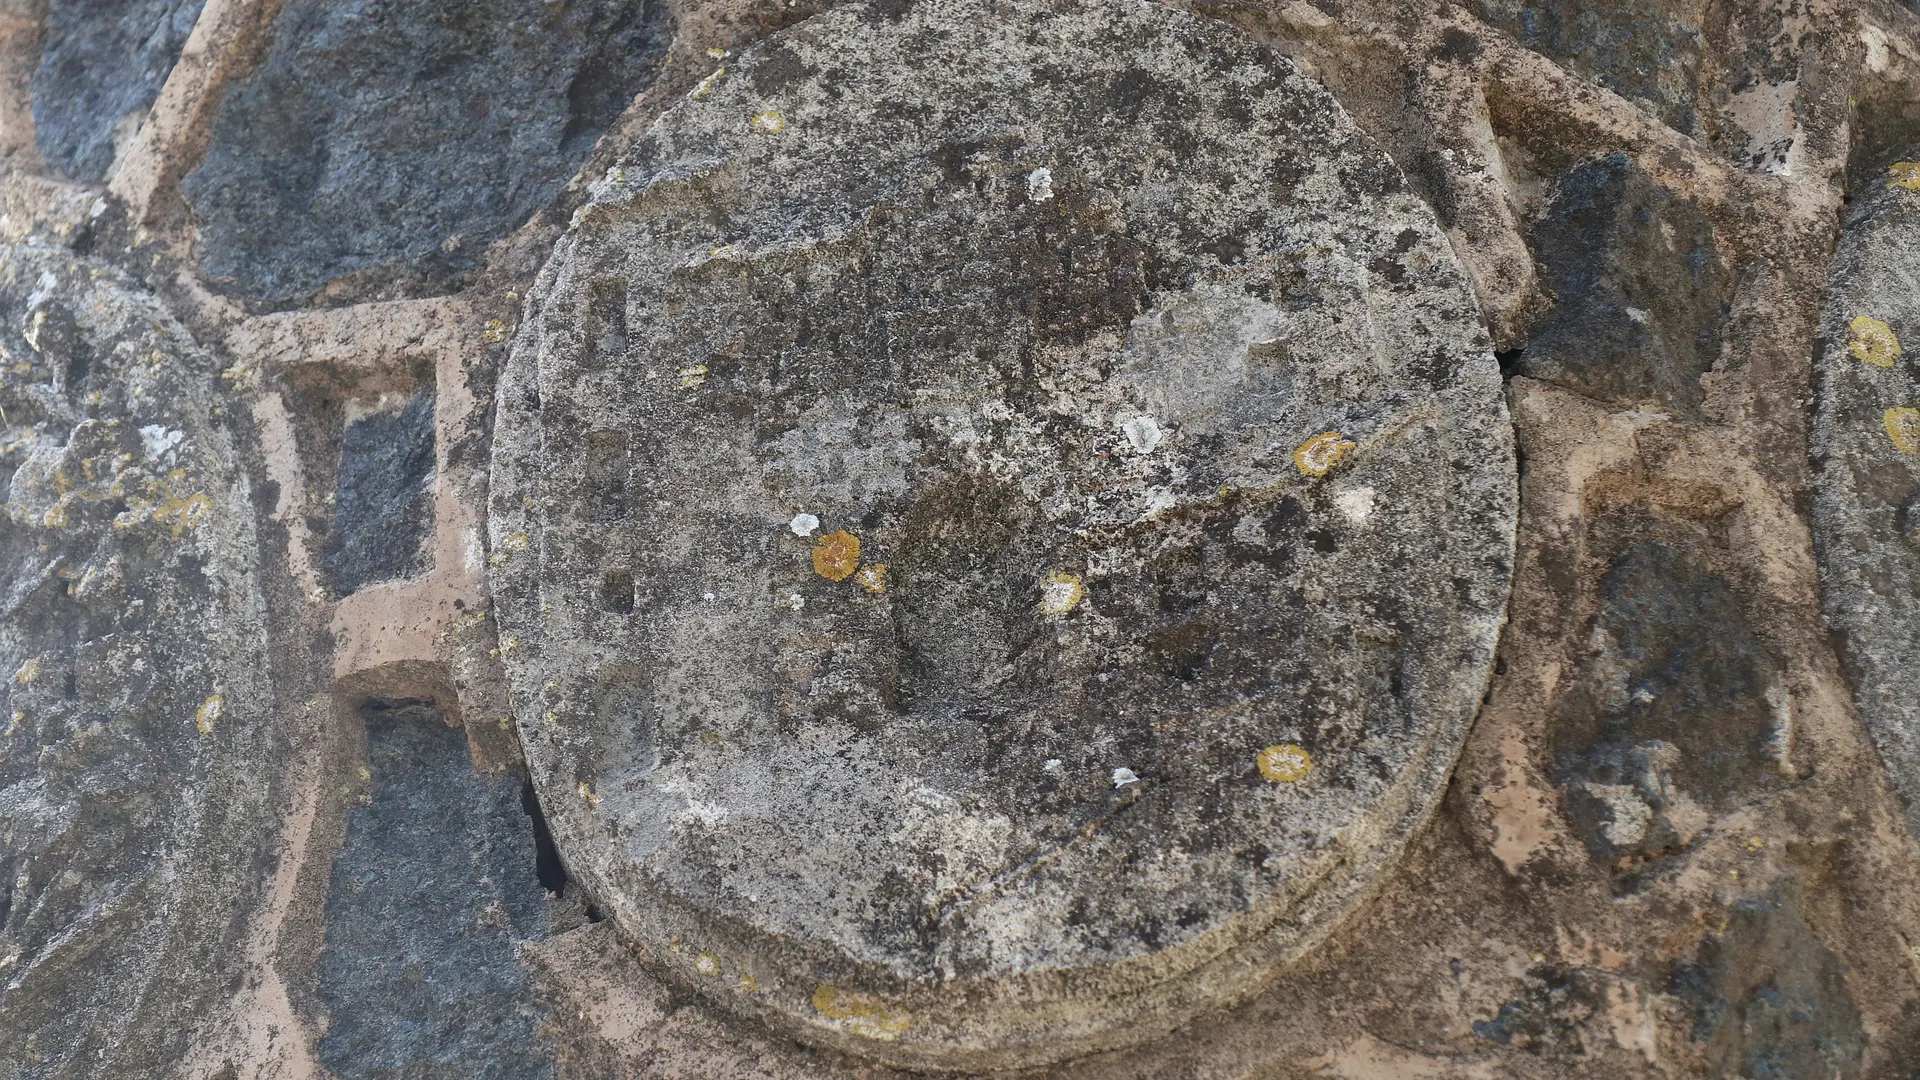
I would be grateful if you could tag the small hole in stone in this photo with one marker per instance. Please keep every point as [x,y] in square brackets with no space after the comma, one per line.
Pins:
[1509,362]
[616,592]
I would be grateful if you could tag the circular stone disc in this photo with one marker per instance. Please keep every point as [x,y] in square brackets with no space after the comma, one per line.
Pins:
[1866,443]
[1165,505]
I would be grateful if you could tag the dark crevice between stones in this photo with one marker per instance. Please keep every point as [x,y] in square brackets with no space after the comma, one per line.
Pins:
[546,857]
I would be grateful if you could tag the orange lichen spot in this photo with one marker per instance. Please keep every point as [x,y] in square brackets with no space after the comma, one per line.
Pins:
[1903,427]
[1318,455]
[837,555]
[872,577]
[769,121]
[707,964]
[1904,174]
[209,713]
[1873,342]
[862,1014]
[1284,763]
[1060,592]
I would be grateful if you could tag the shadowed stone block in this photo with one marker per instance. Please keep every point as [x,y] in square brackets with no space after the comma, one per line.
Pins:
[383,509]
[1002,513]
[431,896]
[384,144]
[102,63]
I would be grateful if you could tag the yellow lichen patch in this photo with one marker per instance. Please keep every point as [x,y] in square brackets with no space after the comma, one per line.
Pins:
[749,984]
[208,714]
[1903,427]
[493,332]
[863,1014]
[707,964]
[1755,843]
[26,673]
[872,577]
[586,792]
[1318,455]
[707,84]
[837,555]
[1284,763]
[692,376]
[1904,174]
[1873,342]
[1060,592]
[769,121]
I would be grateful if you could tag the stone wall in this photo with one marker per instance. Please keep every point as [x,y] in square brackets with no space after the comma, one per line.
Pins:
[780,538]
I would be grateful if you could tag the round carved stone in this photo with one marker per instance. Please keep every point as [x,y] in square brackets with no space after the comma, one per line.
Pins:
[1866,444]
[1002,512]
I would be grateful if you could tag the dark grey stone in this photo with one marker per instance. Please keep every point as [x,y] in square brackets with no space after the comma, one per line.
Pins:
[383,504]
[1648,51]
[431,896]
[1769,998]
[1677,710]
[134,682]
[102,63]
[1640,293]
[384,144]
[1867,481]
[1040,302]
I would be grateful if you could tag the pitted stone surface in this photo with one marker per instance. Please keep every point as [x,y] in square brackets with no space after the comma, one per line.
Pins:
[1001,516]
[1866,446]
[132,645]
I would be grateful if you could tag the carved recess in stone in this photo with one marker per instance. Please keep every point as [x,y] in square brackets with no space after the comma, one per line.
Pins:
[1001,515]
[136,682]
[1866,438]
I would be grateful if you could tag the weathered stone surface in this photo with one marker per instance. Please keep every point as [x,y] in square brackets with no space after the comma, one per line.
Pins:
[1640,293]
[132,642]
[1648,51]
[102,63]
[383,508]
[1676,712]
[432,895]
[383,144]
[1001,514]
[1866,438]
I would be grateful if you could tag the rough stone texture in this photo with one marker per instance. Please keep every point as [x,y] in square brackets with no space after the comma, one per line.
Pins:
[384,144]
[101,66]
[132,641]
[432,894]
[1035,304]
[1756,917]
[1640,293]
[1867,499]
[383,503]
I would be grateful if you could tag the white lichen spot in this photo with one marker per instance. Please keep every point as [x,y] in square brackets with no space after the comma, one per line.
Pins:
[793,602]
[692,376]
[1060,592]
[707,964]
[1040,184]
[707,596]
[1123,777]
[769,121]
[209,713]
[1143,432]
[158,440]
[1054,767]
[1355,504]
[803,524]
